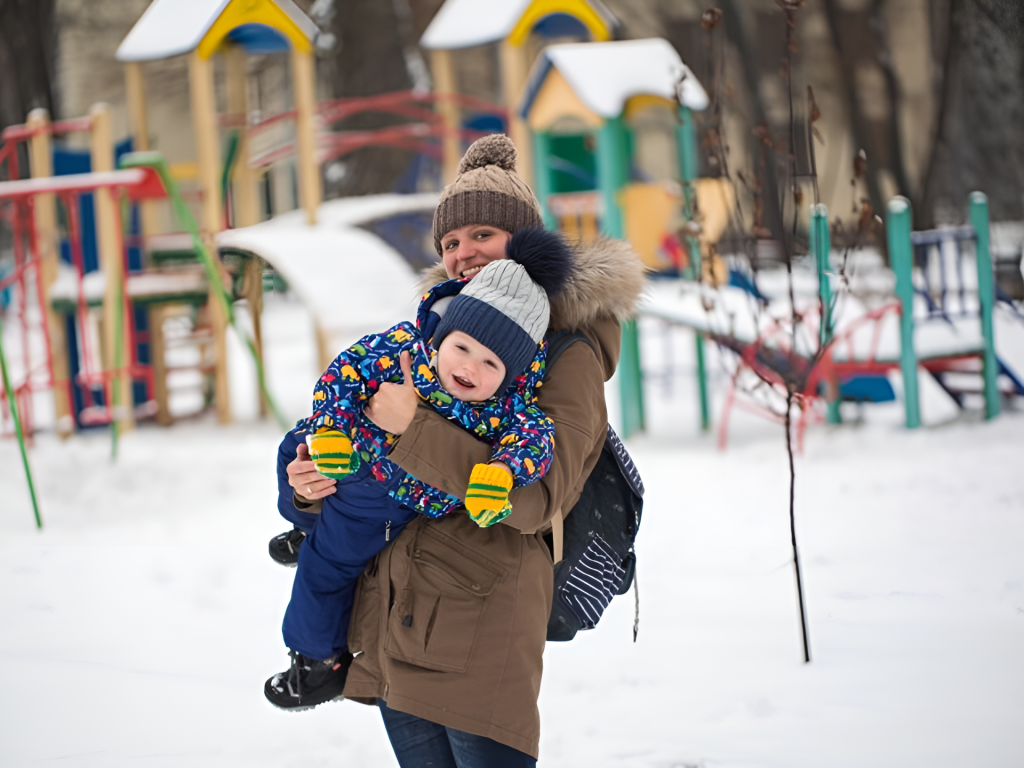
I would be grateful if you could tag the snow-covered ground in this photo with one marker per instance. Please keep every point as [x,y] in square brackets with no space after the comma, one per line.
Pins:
[139,625]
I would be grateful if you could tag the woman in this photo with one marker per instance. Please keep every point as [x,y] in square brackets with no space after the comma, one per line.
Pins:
[450,620]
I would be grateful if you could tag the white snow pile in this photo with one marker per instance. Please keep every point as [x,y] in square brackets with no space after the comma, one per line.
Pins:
[140,623]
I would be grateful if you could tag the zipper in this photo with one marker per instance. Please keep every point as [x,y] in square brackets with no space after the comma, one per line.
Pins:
[387,531]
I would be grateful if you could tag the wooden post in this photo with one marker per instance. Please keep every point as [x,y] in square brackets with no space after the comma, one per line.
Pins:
[245,191]
[989,363]
[544,185]
[514,73]
[116,315]
[304,83]
[324,350]
[244,180]
[41,166]
[445,89]
[686,147]
[821,248]
[204,119]
[612,175]
[158,356]
[138,123]
[901,255]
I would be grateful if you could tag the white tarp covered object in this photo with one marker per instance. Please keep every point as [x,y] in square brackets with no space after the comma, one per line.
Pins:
[173,27]
[606,75]
[338,270]
[465,23]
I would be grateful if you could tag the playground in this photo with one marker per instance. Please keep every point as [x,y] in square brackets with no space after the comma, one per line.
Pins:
[143,615]
[161,325]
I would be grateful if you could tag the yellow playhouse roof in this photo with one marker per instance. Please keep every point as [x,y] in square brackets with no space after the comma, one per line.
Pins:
[465,23]
[173,27]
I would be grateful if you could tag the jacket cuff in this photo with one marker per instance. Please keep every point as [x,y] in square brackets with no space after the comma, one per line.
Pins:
[306,505]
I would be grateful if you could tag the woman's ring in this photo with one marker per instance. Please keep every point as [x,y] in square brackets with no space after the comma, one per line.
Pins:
[309,490]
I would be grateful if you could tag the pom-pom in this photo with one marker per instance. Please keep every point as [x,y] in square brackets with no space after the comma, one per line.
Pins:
[545,256]
[496,149]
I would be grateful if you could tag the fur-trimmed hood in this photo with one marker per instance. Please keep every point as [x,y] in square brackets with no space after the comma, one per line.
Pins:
[606,282]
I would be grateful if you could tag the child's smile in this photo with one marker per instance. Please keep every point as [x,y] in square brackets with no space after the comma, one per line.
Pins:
[467,369]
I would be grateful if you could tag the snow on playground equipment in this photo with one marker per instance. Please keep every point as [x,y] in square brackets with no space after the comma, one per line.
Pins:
[582,94]
[345,242]
[21,198]
[468,23]
[939,320]
[34,222]
[169,28]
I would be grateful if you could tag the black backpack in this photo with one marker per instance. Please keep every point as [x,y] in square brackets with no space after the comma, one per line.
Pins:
[598,558]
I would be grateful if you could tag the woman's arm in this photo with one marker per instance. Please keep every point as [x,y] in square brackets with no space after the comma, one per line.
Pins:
[443,454]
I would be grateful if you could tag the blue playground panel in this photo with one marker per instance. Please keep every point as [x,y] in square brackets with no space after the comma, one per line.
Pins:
[68,161]
[866,388]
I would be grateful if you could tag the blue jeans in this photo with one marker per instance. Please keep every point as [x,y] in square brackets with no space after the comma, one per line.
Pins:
[419,743]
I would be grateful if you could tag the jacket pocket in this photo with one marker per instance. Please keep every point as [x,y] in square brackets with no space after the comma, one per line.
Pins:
[433,622]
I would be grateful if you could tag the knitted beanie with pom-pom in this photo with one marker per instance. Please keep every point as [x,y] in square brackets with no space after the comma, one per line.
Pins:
[487,191]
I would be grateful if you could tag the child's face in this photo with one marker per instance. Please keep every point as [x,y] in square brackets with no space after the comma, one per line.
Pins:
[467,369]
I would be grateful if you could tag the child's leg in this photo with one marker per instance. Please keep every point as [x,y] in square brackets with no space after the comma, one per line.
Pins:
[286,453]
[354,525]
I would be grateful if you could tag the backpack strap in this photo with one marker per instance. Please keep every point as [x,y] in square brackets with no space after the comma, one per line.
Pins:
[558,342]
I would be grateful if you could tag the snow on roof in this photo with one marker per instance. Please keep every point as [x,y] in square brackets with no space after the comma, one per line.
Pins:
[606,75]
[465,23]
[173,27]
[352,281]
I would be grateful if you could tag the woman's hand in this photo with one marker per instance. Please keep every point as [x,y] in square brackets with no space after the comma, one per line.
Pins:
[303,477]
[393,405]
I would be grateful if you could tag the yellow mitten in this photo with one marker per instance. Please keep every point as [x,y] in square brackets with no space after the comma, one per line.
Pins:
[487,495]
[332,453]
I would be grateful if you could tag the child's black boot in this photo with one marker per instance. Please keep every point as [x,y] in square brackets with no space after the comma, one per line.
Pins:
[308,682]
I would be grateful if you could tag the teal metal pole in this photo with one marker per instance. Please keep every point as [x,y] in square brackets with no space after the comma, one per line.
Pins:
[612,176]
[821,248]
[686,147]
[901,256]
[17,428]
[543,181]
[990,367]
[612,173]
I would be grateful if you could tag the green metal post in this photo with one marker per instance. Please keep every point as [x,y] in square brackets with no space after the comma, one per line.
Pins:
[821,248]
[686,146]
[5,377]
[542,175]
[901,256]
[990,367]
[612,175]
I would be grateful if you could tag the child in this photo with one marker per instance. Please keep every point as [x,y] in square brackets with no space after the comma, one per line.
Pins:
[478,354]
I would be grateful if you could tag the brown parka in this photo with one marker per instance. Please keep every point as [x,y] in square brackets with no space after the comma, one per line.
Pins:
[449,621]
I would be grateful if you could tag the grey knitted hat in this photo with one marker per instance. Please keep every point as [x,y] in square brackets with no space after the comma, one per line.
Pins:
[487,191]
[503,309]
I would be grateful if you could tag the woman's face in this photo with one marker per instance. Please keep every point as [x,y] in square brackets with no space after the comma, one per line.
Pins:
[466,249]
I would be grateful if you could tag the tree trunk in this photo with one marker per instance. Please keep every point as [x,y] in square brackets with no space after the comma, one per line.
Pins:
[980,144]
[27,48]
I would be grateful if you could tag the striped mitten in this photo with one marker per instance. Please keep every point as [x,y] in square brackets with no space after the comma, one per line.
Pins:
[487,495]
[332,453]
